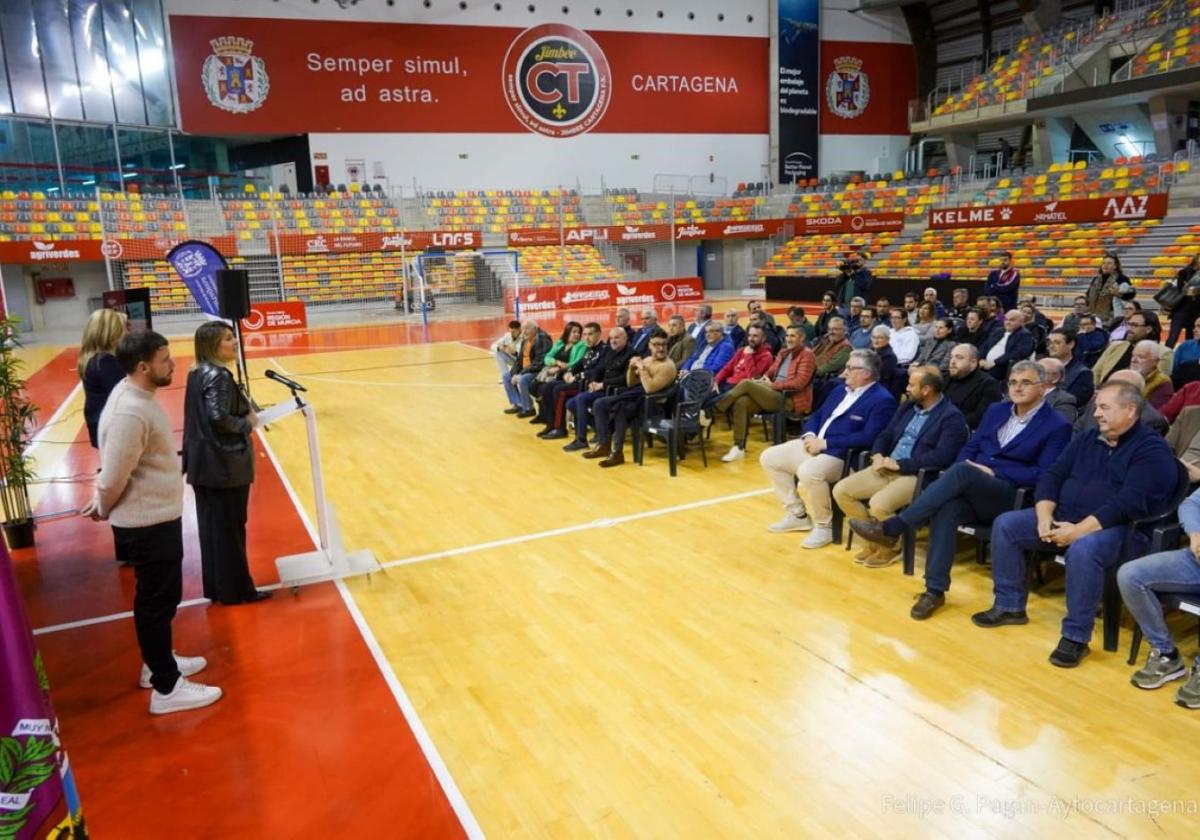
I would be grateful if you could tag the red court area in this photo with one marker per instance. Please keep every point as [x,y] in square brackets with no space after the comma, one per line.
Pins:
[308,740]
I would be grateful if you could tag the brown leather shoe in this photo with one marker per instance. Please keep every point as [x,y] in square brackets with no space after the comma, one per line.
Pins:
[601,451]
[872,531]
[614,460]
[927,604]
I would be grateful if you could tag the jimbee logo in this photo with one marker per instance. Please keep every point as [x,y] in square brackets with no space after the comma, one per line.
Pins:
[556,80]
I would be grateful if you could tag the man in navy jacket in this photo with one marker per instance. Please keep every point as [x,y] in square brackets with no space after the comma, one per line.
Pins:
[1016,442]
[1004,347]
[1105,479]
[926,433]
[851,417]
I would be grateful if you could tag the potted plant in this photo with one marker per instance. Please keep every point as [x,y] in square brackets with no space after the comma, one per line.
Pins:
[16,434]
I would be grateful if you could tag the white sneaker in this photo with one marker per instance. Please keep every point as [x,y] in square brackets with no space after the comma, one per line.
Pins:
[790,522]
[187,666]
[735,453]
[705,419]
[186,695]
[821,536]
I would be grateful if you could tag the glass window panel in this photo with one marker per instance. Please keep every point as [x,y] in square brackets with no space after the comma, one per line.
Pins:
[21,52]
[89,157]
[146,160]
[27,161]
[58,60]
[87,31]
[122,62]
[152,58]
[6,106]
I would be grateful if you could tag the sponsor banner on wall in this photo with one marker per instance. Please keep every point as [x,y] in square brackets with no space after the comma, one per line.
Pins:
[342,243]
[535,299]
[34,251]
[798,106]
[866,87]
[261,75]
[752,229]
[1111,209]
[275,316]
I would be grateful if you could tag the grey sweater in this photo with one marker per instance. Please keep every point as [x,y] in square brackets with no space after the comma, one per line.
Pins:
[141,482]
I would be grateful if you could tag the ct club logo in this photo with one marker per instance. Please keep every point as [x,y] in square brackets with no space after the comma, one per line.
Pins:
[556,80]
[847,90]
[233,77]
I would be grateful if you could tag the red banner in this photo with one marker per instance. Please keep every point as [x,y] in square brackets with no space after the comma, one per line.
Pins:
[535,299]
[276,316]
[272,76]
[341,243]
[33,251]
[866,87]
[1112,209]
[753,229]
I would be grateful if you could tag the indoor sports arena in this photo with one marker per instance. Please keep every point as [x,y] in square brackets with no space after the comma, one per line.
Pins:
[680,419]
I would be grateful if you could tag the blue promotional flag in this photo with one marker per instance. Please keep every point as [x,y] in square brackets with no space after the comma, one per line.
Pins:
[197,264]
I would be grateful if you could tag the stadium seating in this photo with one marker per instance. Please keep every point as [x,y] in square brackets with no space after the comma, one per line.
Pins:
[815,255]
[31,215]
[330,213]
[1123,176]
[913,198]
[1177,47]
[495,211]
[542,265]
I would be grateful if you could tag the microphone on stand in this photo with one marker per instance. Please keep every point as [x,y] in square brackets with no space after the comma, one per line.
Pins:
[283,380]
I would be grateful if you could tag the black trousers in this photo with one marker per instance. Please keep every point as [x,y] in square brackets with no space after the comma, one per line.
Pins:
[156,554]
[221,521]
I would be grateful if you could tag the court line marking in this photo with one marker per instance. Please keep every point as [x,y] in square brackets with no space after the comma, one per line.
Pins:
[432,757]
[573,529]
[54,418]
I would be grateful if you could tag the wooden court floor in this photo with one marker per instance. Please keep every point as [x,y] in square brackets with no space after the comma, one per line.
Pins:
[618,653]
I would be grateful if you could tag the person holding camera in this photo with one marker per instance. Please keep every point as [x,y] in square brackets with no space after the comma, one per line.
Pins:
[854,279]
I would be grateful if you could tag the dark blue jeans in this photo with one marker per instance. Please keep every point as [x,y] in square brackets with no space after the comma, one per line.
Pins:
[579,405]
[961,494]
[1087,561]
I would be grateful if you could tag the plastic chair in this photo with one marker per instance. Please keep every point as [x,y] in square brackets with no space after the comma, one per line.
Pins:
[689,395]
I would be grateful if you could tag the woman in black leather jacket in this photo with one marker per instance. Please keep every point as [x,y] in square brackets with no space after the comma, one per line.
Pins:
[219,461]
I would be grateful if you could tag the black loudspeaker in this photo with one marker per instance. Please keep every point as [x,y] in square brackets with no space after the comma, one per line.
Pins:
[233,293]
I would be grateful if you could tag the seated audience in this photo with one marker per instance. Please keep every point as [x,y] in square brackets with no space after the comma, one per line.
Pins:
[1090,342]
[881,338]
[700,321]
[905,340]
[1150,415]
[770,336]
[802,471]
[972,331]
[926,319]
[798,318]
[1085,502]
[828,310]
[959,304]
[531,356]
[831,353]
[993,316]
[1014,444]
[680,345]
[1079,311]
[623,321]
[1077,377]
[1185,361]
[1031,302]
[611,380]
[644,375]
[641,339]
[1004,282]
[1035,329]
[785,386]
[856,308]
[1145,360]
[925,433]
[749,362]
[504,349]
[883,308]
[564,352]
[1057,398]
[1186,396]
[587,368]
[1143,583]
[970,388]
[1013,344]
[1119,329]
[713,353]
[757,306]
[930,296]
[733,330]
[911,313]
[935,349]
[860,338]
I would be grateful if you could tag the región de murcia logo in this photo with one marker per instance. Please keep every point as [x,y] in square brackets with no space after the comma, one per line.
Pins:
[233,77]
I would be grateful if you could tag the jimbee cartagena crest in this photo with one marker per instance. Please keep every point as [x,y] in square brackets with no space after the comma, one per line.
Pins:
[556,80]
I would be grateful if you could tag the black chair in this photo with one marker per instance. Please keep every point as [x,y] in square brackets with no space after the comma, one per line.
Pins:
[1111,599]
[684,420]
[856,459]
[1165,538]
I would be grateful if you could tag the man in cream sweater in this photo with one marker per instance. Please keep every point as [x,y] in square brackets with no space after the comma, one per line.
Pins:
[140,491]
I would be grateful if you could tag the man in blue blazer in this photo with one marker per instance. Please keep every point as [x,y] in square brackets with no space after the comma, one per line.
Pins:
[712,352]
[1004,347]
[851,417]
[1016,442]
[926,433]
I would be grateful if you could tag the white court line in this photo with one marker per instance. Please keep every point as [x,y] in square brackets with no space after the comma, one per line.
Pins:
[334,381]
[58,412]
[457,801]
[571,529]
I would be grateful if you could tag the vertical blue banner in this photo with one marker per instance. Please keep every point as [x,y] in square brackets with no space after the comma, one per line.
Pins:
[197,264]
[799,54]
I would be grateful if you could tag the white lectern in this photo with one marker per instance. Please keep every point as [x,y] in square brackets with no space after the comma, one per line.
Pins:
[331,561]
